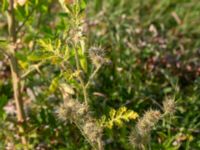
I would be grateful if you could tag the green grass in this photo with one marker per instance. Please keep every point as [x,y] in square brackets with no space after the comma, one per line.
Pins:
[122,27]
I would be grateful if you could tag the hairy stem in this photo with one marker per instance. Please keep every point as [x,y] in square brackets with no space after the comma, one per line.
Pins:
[100,145]
[80,79]
[85,136]
[92,76]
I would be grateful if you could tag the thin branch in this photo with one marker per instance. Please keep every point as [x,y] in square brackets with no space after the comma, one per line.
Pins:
[32,69]
[11,21]
[85,136]
[15,72]
[79,77]
[92,76]
[25,20]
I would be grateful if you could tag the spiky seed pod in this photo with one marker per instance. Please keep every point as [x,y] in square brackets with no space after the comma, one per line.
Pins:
[76,34]
[140,135]
[61,113]
[81,109]
[78,113]
[66,110]
[145,124]
[71,109]
[138,141]
[169,106]
[92,131]
[97,55]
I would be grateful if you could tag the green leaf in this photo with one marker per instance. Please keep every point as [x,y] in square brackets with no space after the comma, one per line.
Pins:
[3,44]
[3,102]
[46,45]
[21,56]
[83,60]
[57,44]
[38,56]
[54,85]
[83,4]
[4,5]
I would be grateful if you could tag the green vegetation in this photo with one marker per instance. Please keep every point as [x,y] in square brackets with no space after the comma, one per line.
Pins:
[101,74]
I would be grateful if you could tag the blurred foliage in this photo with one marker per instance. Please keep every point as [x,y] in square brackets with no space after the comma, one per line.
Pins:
[153,47]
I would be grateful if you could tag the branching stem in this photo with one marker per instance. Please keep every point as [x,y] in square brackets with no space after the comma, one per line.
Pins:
[32,69]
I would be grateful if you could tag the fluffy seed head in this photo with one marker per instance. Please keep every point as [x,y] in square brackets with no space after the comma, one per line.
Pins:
[71,109]
[138,141]
[65,110]
[97,55]
[145,124]
[78,113]
[140,135]
[169,106]
[92,131]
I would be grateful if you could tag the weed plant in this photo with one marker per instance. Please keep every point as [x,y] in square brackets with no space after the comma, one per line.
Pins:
[79,74]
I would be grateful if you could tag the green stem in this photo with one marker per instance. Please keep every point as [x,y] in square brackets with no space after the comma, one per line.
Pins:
[25,20]
[85,136]
[79,77]
[92,76]
[32,69]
